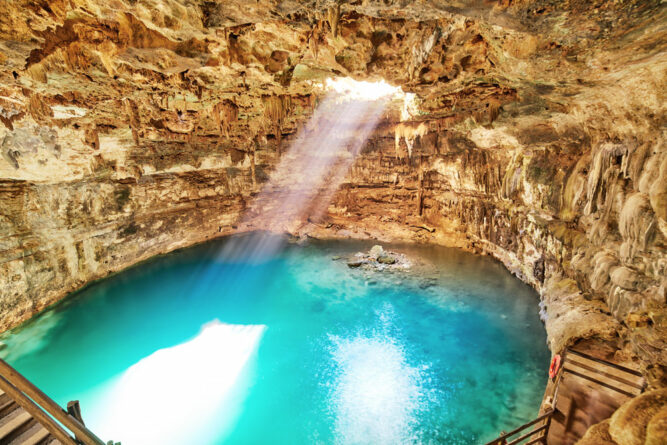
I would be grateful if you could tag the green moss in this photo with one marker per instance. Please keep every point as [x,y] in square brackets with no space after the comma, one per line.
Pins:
[261,174]
[122,196]
[541,169]
[232,172]
[130,229]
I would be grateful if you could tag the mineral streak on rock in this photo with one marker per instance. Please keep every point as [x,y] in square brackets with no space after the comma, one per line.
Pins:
[536,135]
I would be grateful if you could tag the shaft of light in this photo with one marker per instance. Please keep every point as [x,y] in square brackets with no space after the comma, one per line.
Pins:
[310,172]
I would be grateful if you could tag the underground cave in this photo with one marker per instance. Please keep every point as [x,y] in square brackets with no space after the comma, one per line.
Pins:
[333,222]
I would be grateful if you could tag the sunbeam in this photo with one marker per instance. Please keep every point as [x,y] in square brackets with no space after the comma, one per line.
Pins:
[314,166]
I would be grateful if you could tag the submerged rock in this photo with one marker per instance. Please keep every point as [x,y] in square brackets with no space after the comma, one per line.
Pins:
[426,284]
[379,259]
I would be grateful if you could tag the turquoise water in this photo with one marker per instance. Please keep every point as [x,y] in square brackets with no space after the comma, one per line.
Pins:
[200,348]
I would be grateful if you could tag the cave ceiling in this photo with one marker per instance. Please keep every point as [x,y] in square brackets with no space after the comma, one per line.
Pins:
[138,72]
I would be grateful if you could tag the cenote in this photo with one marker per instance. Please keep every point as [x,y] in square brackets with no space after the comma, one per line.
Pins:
[199,348]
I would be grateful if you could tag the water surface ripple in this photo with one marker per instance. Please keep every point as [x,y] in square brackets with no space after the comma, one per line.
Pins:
[199,348]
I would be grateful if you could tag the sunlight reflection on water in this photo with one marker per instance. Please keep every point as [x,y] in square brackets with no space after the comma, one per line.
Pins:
[176,395]
[377,394]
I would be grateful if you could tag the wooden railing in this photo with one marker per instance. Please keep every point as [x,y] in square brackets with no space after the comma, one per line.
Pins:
[631,383]
[528,435]
[585,366]
[44,410]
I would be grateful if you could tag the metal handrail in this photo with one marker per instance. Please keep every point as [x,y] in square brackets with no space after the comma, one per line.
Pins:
[38,404]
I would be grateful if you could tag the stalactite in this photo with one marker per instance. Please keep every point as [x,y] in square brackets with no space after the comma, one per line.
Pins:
[636,224]
[233,53]
[225,114]
[314,39]
[574,189]
[333,17]
[420,193]
[493,110]
[133,117]
[598,175]
[254,145]
[409,132]
[276,109]
[421,51]
[512,180]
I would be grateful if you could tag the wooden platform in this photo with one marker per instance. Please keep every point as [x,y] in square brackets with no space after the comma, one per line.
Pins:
[588,391]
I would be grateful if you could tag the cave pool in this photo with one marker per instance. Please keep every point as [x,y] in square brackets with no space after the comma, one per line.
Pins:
[197,348]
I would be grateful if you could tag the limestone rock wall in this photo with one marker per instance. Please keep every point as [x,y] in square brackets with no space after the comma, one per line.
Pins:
[59,237]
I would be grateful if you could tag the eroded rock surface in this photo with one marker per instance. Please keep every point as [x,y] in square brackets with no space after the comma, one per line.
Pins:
[639,421]
[536,134]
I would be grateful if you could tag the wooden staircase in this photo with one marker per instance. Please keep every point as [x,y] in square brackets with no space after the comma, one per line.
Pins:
[30,417]
[586,391]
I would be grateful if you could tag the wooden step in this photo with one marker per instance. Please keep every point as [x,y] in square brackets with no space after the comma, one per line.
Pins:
[34,435]
[7,405]
[18,432]
[13,421]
